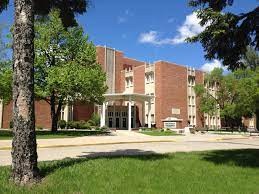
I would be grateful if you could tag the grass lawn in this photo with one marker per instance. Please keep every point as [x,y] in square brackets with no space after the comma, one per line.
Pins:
[159,133]
[6,135]
[232,171]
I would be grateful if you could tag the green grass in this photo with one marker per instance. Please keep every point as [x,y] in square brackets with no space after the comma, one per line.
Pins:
[7,135]
[233,171]
[159,133]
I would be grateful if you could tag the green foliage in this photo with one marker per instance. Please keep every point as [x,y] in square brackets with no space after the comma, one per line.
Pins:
[39,128]
[5,82]
[65,63]
[236,94]
[3,5]
[62,124]
[68,8]
[11,124]
[226,35]
[78,125]
[95,119]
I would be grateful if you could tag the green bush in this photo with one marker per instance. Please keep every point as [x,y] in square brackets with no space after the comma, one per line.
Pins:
[95,118]
[11,124]
[39,127]
[62,124]
[78,125]
[91,123]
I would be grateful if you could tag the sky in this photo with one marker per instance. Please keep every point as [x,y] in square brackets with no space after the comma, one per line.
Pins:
[147,30]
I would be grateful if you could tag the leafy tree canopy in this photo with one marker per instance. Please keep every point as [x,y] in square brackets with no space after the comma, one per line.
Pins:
[5,72]
[68,8]
[65,65]
[226,35]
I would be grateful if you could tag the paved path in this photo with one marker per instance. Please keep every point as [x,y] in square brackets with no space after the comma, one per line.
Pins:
[134,145]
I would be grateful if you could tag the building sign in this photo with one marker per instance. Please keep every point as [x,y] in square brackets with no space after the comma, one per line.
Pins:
[175,111]
[169,125]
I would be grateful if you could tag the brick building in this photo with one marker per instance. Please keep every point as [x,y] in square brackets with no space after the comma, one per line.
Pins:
[139,94]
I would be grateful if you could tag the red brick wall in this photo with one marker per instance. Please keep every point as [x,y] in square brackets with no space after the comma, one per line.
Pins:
[199,79]
[42,114]
[119,61]
[171,91]
[100,55]
[7,114]
[139,79]
[82,111]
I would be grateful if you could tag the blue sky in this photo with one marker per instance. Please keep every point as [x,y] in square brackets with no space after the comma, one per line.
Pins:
[147,30]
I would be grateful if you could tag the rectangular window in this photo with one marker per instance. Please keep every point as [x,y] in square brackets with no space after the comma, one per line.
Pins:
[152,118]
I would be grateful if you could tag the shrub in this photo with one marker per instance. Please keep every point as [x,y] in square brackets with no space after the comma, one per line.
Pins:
[11,124]
[70,124]
[39,128]
[62,124]
[91,123]
[95,118]
[78,125]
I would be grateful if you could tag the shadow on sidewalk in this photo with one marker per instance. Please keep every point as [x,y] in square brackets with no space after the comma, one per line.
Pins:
[47,168]
[240,157]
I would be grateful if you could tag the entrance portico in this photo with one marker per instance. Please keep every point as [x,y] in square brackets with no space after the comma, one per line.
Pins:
[124,119]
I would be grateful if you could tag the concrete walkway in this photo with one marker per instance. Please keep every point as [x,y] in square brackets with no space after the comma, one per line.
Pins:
[151,145]
[120,137]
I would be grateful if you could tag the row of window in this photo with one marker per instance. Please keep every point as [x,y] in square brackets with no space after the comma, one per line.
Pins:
[149,77]
[129,82]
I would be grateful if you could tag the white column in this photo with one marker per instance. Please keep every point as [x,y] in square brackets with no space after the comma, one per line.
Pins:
[149,114]
[129,114]
[103,115]
[135,116]
[143,114]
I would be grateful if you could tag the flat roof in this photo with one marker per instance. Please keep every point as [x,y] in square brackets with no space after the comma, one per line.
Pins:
[128,96]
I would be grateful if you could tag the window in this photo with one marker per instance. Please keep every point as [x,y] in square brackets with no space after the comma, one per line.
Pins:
[147,78]
[62,113]
[151,79]
[110,122]
[152,118]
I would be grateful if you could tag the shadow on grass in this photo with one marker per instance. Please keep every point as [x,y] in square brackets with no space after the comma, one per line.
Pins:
[47,168]
[241,157]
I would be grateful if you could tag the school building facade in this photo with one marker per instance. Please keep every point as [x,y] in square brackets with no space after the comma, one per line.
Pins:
[159,94]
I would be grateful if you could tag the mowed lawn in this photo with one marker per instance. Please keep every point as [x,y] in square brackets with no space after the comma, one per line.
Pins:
[234,171]
[160,133]
[7,135]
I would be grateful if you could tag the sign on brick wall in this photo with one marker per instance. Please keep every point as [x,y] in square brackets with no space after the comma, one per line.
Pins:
[175,111]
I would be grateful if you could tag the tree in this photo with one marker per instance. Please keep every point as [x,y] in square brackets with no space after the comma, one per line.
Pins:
[24,149]
[226,35]
[236,95]
[65,67]
[5,71]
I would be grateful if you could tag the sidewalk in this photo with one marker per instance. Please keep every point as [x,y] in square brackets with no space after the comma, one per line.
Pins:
[122,137]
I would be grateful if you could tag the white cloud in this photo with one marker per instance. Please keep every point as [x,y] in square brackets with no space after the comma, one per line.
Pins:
[208,67]
[189,28]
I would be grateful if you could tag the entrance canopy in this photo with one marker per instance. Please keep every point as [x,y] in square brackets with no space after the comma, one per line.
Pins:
[128,97]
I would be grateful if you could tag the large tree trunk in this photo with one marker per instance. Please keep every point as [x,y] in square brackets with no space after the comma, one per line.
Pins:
[24,147]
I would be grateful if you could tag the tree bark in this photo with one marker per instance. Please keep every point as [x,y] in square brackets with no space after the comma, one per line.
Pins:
[24,147]
[55,112]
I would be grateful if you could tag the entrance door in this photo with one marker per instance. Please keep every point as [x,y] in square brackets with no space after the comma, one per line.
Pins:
[117,123]
[124,123]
